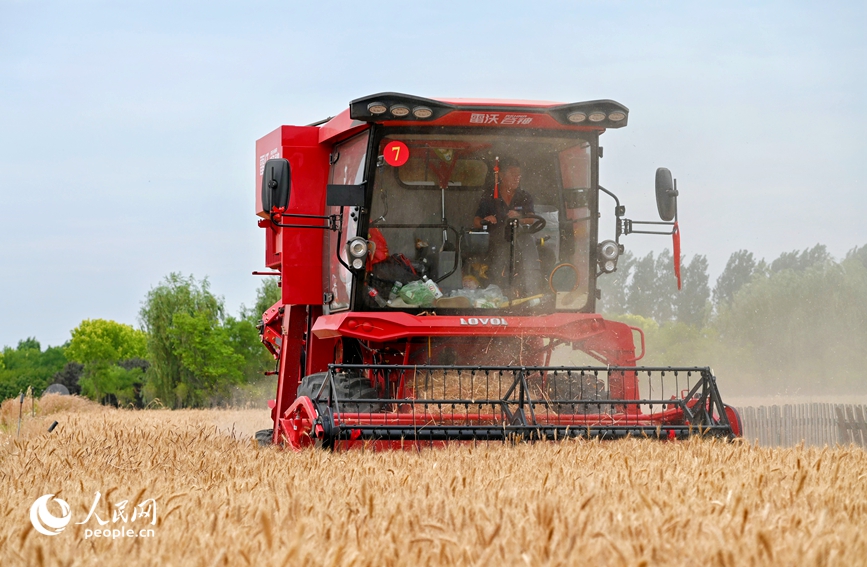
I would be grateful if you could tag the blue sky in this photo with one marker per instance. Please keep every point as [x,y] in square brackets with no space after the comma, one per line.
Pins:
[127,129]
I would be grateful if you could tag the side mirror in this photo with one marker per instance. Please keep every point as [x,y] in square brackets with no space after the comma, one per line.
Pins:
[276,184]
[666,195]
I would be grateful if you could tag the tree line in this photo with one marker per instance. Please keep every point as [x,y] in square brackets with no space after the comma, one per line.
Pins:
[794,325]
[188,352]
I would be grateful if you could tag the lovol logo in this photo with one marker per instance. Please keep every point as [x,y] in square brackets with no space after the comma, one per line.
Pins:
[45,522]
[484,321]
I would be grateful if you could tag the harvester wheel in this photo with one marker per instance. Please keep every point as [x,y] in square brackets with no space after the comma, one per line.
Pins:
[348,388]
[310,385]
[265,437]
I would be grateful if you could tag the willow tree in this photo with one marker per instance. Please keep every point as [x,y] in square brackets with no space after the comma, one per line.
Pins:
[190,351]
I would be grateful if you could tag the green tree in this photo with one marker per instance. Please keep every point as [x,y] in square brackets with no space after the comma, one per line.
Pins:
[112,384]
[614,287]
[664,288]
[737,273]
[803,260]
[244,333]
[206,354]
[30,344]
[28,365]
[267,295]
[674,343]
[642,287]
[245,341]
[692,304]
[858,255]
[190,345]
[69,376]
[800,330]
[99,340]
[101,346]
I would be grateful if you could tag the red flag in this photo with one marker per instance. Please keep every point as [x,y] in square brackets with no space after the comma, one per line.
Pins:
[496,178]
[675,242]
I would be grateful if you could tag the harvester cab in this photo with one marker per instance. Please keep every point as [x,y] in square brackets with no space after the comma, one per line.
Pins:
[433,256]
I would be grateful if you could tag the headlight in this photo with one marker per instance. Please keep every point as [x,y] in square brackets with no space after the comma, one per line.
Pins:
[609,250]
[357,247]
[609,266]
[376,108]
[597,116]
[399,110]
[616,116]
[357,264]
[422,112]
[576,117]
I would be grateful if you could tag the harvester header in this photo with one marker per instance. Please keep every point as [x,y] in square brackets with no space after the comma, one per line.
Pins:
[438,263]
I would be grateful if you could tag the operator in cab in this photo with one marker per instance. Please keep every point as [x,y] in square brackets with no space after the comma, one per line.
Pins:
[507,201]
[500,212]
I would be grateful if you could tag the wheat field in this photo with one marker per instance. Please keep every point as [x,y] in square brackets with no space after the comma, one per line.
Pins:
[221,500]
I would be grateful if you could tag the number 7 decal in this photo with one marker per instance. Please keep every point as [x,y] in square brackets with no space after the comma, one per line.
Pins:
[396,153]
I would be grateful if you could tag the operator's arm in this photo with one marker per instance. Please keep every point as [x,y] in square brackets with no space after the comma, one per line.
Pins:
[523,207]
[490,219]
[485,214]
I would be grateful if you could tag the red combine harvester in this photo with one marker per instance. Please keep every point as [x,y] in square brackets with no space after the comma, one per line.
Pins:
[438,262]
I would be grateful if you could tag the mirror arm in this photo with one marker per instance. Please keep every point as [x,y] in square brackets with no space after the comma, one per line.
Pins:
[333,220]
[340,245]
[675,194]
[616,200]
[624,226]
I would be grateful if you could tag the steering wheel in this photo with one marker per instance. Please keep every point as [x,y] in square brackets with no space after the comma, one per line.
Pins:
[538,224]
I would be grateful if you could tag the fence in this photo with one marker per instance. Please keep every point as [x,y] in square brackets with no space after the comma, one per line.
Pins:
[815,424]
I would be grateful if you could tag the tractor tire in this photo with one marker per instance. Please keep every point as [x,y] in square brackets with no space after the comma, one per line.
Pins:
[348,388]
[310,385]
[264,437]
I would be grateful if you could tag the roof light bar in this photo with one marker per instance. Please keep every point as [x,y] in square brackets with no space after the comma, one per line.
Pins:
[397,106]
[600,113]
[373,108]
